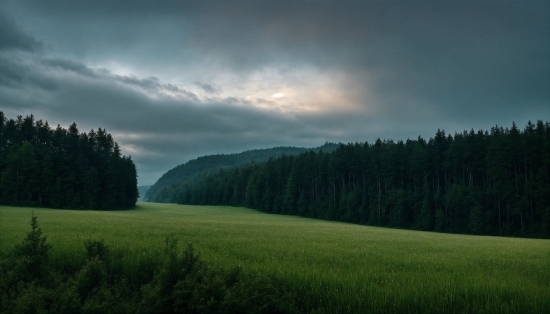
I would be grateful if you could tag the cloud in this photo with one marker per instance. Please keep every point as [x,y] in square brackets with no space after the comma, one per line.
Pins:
[179,79]
[166,128]
[12,38]
[207,88]
[458,56]
[77,68]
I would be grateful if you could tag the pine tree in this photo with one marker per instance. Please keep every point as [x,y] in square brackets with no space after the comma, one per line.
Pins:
[476,220]
[33,252]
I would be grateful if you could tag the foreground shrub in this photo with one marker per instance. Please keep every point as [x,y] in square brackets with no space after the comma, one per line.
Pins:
[25,286]
[259,295]
[32,254]
[183,283]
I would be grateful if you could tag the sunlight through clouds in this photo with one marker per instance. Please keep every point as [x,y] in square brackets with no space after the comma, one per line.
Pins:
[292,91]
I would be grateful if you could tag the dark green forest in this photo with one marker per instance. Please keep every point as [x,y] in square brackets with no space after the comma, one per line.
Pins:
[60,168]
[494,182]
[166,188]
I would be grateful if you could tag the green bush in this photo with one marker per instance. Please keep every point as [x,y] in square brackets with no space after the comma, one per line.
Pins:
[183,283]
[259,295]
[32,254]
[96,249]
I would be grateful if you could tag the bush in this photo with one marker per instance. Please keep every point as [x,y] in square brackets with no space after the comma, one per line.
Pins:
[182,284]
[32,254]
[259,295]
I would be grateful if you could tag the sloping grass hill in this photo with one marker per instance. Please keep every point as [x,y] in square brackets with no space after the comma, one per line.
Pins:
[333,267]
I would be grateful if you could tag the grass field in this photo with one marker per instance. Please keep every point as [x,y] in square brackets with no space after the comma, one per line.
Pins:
[334,267]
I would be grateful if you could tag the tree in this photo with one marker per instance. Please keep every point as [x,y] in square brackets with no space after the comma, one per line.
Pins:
[482,182]
[290,197]
[33,253]
[476,224]
[63,168]
[427,213]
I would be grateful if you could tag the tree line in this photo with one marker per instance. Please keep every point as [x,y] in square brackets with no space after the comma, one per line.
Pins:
[63,168]
[164,190]
[494,182]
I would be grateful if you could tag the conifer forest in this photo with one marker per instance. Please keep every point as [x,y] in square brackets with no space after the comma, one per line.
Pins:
[63,168]
[494,182]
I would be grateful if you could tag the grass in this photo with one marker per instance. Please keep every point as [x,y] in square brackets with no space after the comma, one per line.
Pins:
[334,267]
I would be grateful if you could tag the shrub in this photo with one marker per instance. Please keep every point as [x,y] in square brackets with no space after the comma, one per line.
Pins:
[32,254]
[182,283]
[96,249]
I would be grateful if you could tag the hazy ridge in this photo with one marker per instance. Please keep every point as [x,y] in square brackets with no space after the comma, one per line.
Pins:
[164,190]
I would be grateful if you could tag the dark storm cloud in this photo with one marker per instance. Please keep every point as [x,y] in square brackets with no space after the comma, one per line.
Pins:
[70,66]
[12,38]
[411,67]
[153,84]
[15,74]
[459,58]
[150,34]
[14,45]
[206,87]
[488,53]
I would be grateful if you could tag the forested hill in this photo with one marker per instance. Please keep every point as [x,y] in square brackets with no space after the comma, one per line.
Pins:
[41,166]
[171,183]
[493,182]
[142,191]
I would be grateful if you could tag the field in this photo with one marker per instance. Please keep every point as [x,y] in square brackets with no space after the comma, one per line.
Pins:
[334,267]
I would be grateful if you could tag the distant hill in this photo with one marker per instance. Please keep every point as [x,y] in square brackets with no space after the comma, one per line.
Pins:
[142,191]
[164,190]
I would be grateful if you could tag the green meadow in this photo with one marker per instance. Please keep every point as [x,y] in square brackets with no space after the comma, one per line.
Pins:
[333,267]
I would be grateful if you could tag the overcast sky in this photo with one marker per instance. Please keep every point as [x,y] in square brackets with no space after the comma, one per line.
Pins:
[175,80]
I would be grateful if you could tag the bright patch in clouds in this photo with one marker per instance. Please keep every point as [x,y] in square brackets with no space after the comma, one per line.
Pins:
[305,89]
[298,90]
[117,68]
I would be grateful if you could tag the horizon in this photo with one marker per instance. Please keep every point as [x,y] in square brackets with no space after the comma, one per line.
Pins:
[179,80]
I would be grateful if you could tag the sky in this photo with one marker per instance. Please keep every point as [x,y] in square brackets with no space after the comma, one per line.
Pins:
[176,80]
